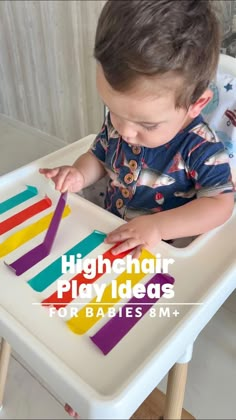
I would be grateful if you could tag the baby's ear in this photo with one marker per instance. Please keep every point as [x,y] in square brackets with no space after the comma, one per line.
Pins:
[196,108]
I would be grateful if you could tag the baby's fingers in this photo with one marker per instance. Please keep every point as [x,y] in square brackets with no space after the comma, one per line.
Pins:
[60,178]
[67,184]
[127,245]
[137,251]
[49,173]
[118,235]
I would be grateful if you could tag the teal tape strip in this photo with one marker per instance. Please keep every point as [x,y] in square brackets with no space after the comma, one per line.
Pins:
[17,199]
[52,272]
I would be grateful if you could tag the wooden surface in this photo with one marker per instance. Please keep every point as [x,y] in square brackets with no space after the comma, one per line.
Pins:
[153,408]
[5,353]
[175,391]
[47,67]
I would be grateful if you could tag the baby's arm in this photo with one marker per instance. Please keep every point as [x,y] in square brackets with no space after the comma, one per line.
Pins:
[210,172]
[194,218]
[91,168]
[86,170]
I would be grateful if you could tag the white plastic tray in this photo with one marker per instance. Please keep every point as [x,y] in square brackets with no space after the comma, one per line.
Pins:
[111,386]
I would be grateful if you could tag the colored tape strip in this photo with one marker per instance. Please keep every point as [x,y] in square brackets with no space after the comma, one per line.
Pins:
[25,214]
[41,251]
[29,232]
[58,303]
[116,328]
[80,323]
[52,272]
[17,199]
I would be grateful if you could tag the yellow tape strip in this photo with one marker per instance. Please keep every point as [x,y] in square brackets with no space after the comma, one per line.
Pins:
[80,323]
[27,233]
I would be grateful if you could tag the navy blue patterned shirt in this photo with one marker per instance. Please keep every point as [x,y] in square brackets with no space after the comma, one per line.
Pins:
[146,180]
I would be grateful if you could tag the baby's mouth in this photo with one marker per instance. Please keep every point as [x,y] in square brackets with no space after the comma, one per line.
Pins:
[129,142]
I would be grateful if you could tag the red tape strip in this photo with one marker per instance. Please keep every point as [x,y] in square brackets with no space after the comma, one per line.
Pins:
[25,214]
[67,296]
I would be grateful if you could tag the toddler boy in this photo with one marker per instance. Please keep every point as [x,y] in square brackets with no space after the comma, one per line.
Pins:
[168,173]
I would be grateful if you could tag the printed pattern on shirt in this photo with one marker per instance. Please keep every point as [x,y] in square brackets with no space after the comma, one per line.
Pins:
[149,180]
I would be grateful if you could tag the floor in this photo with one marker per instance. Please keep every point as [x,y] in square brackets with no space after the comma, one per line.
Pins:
[211,385]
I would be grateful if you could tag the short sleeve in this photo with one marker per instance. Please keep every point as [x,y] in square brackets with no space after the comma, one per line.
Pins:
[209,169]
[100,144]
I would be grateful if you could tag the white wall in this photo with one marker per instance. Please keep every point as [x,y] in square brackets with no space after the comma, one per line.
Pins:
[47,69]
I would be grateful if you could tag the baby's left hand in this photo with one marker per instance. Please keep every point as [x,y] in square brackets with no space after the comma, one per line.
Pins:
[141,232]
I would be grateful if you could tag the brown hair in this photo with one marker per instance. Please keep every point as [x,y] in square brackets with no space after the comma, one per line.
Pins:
[159,37]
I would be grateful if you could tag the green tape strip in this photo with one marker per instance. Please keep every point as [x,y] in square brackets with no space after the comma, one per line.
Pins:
[51,273]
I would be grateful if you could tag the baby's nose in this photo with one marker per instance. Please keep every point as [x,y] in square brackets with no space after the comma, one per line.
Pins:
[127,131]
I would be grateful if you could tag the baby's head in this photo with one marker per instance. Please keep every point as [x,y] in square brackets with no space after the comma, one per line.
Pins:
[155,61]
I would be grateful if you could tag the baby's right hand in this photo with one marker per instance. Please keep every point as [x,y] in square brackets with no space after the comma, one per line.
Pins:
[65,178]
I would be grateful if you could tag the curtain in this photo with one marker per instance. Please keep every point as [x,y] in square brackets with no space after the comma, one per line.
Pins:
[47,69]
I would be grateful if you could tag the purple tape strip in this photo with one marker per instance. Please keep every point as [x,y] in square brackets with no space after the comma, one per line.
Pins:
[28,260]
[116,328]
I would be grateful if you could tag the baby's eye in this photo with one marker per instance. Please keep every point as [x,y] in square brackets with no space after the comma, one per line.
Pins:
[150,127]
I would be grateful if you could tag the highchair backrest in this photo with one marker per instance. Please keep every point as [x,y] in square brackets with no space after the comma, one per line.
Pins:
[220,113]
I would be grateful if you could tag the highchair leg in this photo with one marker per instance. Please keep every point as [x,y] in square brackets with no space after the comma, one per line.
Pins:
[177,379]
[5,354]
[175,391]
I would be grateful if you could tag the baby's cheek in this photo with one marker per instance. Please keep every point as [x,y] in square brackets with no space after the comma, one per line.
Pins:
[153,139]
